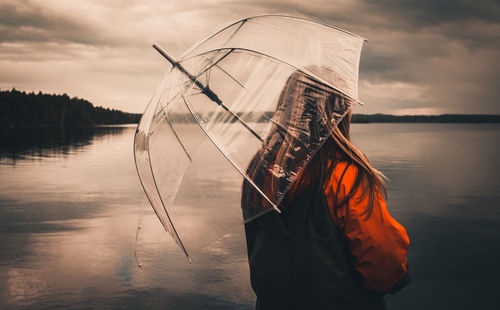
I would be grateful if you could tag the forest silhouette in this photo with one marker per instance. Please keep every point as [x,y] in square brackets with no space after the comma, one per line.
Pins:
[18,108]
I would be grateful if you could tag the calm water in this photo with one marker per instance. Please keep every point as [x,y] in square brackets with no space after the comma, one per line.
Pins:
[71,202]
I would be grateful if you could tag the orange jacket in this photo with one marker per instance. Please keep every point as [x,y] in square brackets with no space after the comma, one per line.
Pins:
[378,243]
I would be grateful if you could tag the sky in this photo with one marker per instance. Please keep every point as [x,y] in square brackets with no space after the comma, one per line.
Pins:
[423,56]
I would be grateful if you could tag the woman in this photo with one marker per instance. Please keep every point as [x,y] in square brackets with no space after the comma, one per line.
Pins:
[334,246]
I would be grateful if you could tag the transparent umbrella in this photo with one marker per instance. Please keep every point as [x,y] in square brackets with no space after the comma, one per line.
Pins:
[219,113]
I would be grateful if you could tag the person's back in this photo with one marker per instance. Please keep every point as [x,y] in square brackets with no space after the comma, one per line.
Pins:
[334,245]
[304,258]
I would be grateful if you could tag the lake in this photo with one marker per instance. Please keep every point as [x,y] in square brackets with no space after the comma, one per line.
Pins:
[77,232]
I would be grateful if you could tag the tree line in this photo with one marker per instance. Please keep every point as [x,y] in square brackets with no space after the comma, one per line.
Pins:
[442,118]
[260,117]
[18,108]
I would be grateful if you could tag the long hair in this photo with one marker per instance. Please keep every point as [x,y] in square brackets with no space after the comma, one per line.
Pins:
[309,116]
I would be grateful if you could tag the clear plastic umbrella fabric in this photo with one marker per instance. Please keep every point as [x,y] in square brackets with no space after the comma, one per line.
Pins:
[278,86]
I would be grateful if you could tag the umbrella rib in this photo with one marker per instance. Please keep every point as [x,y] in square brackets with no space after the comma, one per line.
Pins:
[178,139]
[164,208]
[227,73]
[236,31]
[227,157]
[235,116]
[142,183]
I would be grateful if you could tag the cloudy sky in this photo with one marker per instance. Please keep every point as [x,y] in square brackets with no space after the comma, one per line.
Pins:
[423,56]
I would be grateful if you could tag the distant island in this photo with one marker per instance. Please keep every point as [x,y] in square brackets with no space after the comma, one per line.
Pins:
[443,118]
[21,109]
[356,118]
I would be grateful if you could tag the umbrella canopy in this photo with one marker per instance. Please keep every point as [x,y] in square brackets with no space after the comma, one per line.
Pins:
[257,98]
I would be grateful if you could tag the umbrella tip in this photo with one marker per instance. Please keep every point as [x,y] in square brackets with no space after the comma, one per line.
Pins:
[164,53]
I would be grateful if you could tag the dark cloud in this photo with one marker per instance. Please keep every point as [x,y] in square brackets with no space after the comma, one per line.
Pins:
[429,56]
[424,13]
[435,56]
[24,21]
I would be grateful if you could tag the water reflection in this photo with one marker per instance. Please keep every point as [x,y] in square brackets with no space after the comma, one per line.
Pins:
[35,143]
[68,217]
[444,188]
[70,204]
